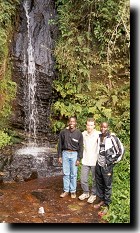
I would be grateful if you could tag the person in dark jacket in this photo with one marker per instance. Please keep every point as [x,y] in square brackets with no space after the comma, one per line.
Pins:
[104,169]
[70,152]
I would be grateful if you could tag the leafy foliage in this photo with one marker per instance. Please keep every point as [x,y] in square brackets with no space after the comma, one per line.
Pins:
[7,86]
[4,139]
[8,91]
[7,9]
[88,76]
[92,63]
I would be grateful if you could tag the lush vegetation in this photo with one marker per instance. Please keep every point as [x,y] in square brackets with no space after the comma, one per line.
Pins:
[92,59]
[92,63]
[7,86]
[120,207]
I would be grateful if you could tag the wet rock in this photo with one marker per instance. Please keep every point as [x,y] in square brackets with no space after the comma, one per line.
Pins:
[39,195]
[19,167]
[34,175]
[44,35]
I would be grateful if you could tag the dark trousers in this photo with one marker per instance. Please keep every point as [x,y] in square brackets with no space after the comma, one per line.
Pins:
[103,177]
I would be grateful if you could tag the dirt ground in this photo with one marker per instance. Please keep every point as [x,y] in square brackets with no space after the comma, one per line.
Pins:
[20,203]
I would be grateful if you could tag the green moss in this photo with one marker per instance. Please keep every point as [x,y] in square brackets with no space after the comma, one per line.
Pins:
[4,139]
[7,86]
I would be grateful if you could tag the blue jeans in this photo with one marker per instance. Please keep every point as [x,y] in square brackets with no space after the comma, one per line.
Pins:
[69,171]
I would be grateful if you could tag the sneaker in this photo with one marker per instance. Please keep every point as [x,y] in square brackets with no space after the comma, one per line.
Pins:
[64,194]
[91,199]
[83,196]
[73,195]
[97,206]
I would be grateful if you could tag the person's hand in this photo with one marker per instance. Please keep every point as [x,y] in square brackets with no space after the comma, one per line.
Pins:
[77,163]
[60,160]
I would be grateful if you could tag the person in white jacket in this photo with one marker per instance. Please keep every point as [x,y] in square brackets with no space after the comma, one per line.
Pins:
[107,156]
[89,159]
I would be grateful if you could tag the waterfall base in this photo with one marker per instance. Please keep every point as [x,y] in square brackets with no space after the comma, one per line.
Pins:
[20,163]
[34,150]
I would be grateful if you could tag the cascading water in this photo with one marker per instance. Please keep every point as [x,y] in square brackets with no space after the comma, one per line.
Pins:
[31,118]
[34,73]
[31,112]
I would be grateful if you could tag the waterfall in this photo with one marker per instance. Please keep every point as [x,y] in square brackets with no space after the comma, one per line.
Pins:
[34,72]
[31,117]
[34,69]
[30,88]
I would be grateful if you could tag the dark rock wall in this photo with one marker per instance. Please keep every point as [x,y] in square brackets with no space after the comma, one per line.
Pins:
[44,35]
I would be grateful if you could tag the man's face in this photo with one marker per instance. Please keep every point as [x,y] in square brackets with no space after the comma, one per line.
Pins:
[90,126]
[72,123]
[104,128]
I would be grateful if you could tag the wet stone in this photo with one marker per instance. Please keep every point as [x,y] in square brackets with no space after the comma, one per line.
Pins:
[39,195]
[25,163]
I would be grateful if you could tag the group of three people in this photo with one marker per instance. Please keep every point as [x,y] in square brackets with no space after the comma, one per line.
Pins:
[89,147]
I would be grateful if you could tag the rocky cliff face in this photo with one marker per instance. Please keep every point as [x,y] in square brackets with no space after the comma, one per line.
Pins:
[43,35]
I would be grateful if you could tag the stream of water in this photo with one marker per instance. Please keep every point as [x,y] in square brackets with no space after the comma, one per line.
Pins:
[31,111]
[31,118]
